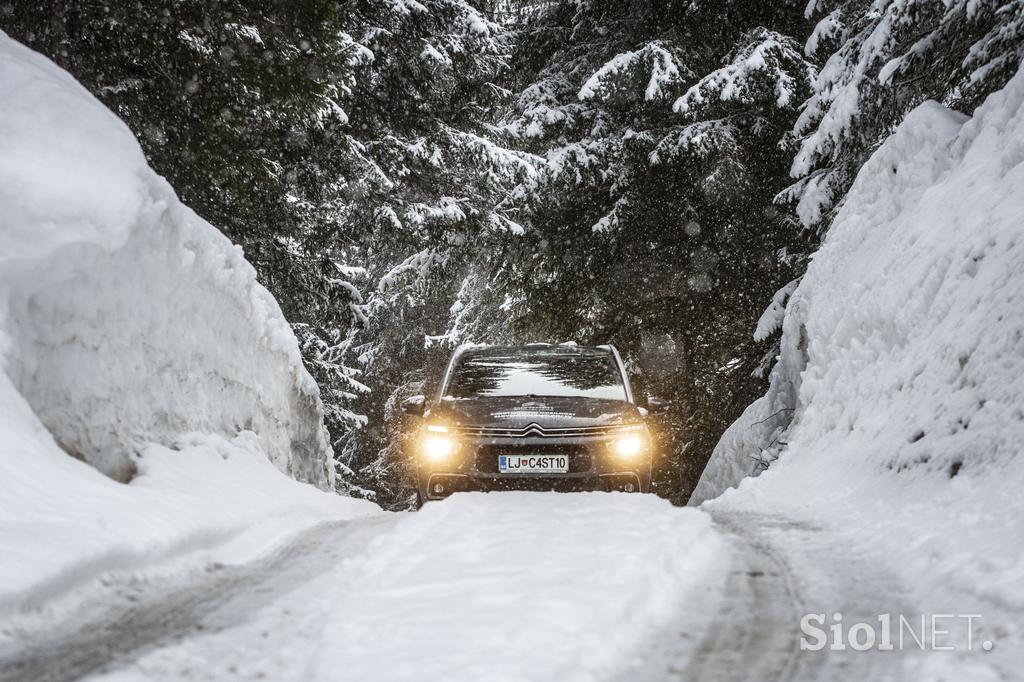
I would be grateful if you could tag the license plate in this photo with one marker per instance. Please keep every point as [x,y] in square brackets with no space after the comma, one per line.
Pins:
[533,464]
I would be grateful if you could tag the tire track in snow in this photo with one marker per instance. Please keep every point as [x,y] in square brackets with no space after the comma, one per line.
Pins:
[748,628]
[125,620]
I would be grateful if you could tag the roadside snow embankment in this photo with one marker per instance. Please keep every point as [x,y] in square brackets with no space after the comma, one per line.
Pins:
[125,317]
[128,327]
[898,401]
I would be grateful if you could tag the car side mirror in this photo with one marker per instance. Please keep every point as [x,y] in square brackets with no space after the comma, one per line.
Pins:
[414,405]
[656,405]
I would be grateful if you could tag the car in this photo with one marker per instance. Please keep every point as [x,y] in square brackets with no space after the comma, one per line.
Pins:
[532,417]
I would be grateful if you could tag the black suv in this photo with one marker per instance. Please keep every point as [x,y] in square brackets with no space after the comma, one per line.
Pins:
[534,417]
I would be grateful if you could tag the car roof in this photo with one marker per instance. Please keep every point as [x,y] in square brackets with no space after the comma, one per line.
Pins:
[546,348]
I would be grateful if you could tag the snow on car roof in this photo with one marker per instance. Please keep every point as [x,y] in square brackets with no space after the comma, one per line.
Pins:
[566,349]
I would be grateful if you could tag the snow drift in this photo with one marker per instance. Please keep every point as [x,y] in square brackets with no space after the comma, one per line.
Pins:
[135,337]
[898,400]
[126,318]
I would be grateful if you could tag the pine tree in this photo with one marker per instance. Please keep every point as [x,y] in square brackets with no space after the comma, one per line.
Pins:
[425,108]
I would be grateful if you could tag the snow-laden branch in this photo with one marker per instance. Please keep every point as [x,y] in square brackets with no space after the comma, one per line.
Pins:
[417,265]
[702,139]
[771,319]
[655,61]
[768,66]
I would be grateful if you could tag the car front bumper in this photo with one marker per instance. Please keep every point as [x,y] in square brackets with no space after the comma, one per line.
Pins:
[593,467]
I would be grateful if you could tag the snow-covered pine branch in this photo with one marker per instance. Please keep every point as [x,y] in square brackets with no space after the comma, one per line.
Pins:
[703,140]
[765,67]
[657,66]
[771,319]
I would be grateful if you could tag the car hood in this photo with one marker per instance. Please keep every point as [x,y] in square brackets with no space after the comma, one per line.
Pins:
[545,411]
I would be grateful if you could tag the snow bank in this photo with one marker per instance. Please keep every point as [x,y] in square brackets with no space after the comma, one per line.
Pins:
[901,380]
[126,318]
[126,324]
[204,500]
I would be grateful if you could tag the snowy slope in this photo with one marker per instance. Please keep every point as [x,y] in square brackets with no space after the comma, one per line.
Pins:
[899,396]
[135,337]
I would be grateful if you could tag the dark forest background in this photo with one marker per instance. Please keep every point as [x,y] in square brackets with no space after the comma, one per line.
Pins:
[408,175]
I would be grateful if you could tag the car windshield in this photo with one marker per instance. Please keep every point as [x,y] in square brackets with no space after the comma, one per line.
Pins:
[585,373]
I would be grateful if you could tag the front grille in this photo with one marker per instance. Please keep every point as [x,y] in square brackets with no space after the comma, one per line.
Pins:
[535,430]
[487,455]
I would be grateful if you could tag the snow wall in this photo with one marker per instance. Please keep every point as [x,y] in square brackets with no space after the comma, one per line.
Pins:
[125,319]
[897,404]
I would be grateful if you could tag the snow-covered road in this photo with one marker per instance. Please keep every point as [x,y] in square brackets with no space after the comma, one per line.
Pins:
[514,586]
[746,627]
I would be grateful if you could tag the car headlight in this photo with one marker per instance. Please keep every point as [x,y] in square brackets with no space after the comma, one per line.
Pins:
[437,448]
[437,445]
[629,446]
